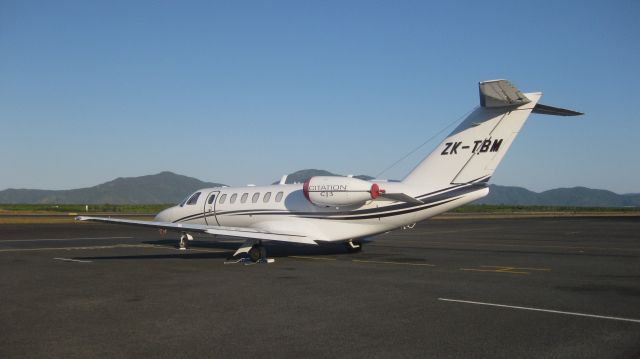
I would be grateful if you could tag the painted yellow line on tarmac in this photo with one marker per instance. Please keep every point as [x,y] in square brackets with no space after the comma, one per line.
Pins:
[390,262]
[493,271]
[505,269]
[521,268]
[531,246]
[72,260]
[448,231]
[315,258]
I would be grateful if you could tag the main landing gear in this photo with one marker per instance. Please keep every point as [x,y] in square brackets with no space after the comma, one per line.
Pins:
[255,250]
[257,253]
[353,246]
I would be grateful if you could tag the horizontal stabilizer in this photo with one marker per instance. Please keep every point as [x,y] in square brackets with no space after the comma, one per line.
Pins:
[401,197]
[557,111]
[500,93]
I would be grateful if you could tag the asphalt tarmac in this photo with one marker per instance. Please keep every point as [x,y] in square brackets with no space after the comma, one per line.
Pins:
[459,288]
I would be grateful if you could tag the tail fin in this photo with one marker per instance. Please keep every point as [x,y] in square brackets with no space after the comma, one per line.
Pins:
[474,149]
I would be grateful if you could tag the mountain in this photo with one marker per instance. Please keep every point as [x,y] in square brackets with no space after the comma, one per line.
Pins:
[573,197]
[510,195]
[164,187]
[168,187]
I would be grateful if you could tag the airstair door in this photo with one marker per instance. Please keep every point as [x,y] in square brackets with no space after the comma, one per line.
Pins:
[210,209]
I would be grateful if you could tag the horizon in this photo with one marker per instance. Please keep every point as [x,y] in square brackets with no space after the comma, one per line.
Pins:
[306,169]
[244,92]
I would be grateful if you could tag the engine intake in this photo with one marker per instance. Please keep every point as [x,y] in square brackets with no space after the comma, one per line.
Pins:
[336,191]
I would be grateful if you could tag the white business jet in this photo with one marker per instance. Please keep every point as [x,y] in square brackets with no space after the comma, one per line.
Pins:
[347,209]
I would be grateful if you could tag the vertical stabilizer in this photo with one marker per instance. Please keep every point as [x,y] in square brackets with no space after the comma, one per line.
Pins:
[474,149]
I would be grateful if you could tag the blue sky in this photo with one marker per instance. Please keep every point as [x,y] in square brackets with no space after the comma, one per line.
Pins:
[244,91]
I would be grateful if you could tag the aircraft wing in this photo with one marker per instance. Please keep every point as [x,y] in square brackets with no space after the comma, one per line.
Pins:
[240,232]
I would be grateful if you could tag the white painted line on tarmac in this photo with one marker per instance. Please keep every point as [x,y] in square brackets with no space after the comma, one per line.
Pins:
[62,239]
[82,248]
[191,249]
[72,260]
[542,310]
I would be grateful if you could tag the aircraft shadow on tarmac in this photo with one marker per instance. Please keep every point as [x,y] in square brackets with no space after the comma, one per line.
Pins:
[197,250]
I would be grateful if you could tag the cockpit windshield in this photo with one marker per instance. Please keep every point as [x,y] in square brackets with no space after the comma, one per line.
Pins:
[191,199]
[184,201]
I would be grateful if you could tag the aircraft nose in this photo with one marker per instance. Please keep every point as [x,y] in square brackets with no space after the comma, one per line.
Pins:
[163,216]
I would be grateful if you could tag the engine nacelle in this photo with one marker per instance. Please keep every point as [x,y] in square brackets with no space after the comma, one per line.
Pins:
[336,191]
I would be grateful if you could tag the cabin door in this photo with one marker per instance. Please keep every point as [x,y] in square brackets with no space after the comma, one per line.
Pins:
[210,209]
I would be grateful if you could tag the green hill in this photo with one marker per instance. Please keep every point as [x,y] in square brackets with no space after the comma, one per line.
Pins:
[575,197]
[168,187]
[164,187]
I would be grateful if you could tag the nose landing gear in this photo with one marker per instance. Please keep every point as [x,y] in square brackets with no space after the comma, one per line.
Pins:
[184,245]
[353,246]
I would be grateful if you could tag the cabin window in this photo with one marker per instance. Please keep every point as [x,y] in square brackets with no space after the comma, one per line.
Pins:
[266,197]
[255,197]
[211,199]
[279,196]
[193,199]
[243,199]
[222,198]
[233,198]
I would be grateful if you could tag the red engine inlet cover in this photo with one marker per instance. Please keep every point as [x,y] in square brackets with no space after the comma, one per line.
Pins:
[375,191]
[305,189]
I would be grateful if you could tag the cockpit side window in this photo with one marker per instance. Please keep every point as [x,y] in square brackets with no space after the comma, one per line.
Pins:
[193,199]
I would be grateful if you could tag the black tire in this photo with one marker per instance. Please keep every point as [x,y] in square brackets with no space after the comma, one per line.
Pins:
[255,253]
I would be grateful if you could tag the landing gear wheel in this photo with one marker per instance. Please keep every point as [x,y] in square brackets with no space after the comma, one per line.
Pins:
[257,253]
[183,243]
